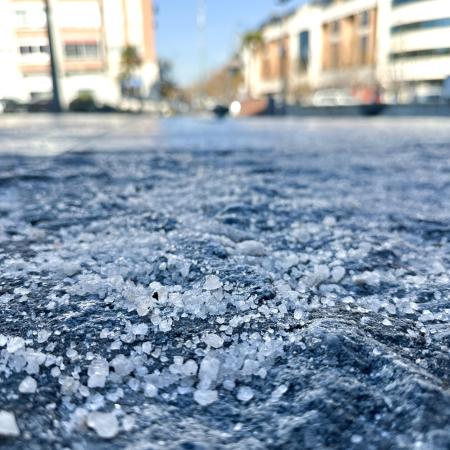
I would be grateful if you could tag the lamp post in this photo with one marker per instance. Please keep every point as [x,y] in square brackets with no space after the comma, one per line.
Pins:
[201,26]
[56,100]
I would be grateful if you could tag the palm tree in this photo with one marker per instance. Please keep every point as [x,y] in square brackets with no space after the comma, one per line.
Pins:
[130,61]
[252,41]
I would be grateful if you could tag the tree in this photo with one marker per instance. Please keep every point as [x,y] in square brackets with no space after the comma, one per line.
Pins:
[167,86]
[252,41]
[130,61]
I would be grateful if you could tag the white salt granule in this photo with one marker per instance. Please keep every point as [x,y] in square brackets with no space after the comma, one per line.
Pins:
[104,424]
[8,425]
[205,397]
[212,283]
[213,340]
[28,386]
[244,394]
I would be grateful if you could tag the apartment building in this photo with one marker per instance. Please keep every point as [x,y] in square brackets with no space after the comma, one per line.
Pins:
[365,47]
[90,37]
[419,47]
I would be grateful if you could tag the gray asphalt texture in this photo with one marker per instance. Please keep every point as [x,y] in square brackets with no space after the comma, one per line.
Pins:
[95,209]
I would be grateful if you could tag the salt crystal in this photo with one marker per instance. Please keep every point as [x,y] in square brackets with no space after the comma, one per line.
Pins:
[229,385]
[115,396]
[104,424]
[128,423]
[3,340]
[150,390]
[34,360]
[213,340]
[15,344]
[104,333]
[387,322]
[42,336]
[367,278]
[116,345]
[279,391]
[71,353]
[189,368]
[134,384]
[205,397]
[122,366]
[178,360]
[140,329]
[84,391]
[251,248]
[329,221]
[212,283]
[209,370]
[356,439]
[321,274]
[143,308]
[147,347]
[98,371]
[244,394]
[28,386]
[165,325]
[55,372]
[337,274]
[8,425]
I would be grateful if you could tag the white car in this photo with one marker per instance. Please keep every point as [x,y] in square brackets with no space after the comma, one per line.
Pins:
[333,97]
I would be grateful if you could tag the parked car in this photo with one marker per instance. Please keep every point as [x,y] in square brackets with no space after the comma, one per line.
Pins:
[333,97]
[40,105]
[9,105]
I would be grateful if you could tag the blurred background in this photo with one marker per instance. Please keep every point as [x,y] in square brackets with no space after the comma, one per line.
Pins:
[247,57]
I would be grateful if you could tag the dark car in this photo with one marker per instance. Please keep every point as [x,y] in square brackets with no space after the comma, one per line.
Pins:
[9,105]
[40,105]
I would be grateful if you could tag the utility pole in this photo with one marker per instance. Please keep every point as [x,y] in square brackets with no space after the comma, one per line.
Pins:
[56,100]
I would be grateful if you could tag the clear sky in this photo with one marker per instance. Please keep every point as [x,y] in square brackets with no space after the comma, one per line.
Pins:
[178,38]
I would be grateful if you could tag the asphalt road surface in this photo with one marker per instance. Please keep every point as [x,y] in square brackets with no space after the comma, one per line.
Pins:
[195,284]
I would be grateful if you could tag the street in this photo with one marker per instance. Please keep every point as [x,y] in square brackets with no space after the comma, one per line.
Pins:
[249,284]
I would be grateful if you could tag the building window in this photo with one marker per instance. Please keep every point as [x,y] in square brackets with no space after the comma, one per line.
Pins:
[304,50]
[335,27]
[417,26]
[334,59]
[34,17]
[364,19]
[33,49]
[363,49]
[82,51]
[265,63]
[421,53]
[282,60]
[403,2]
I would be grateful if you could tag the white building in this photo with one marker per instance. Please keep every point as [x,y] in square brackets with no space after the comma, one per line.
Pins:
[419,47]
[90,37]
[364,47]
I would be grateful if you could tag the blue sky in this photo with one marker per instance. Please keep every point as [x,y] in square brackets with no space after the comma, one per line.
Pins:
[178,40]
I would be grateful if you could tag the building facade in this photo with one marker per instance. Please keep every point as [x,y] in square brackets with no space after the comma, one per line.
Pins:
[364,48]
[90,37]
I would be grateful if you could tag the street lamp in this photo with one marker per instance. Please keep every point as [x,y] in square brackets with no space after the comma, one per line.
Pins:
[56,100]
